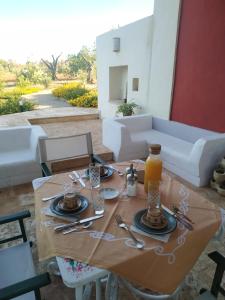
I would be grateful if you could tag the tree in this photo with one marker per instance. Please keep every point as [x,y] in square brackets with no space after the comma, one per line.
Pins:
[32,73]
[83,61]
[89,58]
[52,66]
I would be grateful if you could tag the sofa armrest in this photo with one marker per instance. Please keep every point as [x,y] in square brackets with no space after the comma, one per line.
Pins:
[36,133]
[113,135]
[136,123]
[206,154]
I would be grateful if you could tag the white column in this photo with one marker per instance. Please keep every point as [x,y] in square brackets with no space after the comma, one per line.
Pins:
[165,25]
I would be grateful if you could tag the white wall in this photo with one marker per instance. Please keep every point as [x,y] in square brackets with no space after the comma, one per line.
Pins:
[165,24]
[135,52]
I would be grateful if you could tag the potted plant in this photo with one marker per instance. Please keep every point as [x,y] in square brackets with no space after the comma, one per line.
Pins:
[127,109]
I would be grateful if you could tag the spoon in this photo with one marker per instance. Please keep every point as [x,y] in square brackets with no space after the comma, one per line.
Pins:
[117,171]
[74,180]
[84,226]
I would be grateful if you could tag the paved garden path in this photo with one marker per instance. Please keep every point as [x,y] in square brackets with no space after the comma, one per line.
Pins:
[45,99]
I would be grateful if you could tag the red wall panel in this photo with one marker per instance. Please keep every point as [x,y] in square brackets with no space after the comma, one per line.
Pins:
[199,84]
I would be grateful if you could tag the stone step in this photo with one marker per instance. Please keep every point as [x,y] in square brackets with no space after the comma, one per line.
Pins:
[60,119]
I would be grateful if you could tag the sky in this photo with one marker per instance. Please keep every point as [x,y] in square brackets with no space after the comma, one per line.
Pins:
[35,29]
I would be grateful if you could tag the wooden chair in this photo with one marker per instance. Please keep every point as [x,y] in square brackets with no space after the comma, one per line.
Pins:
[63,148]
[17,272]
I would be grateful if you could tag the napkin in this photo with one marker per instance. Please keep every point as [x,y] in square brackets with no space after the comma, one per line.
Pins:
[162,238]
[47,211]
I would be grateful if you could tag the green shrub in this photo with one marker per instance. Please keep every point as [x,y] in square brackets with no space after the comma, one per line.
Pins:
[18,91]
[90,99]
[32,74]
[12,105]
[127,109]
[70,91]
[9,100]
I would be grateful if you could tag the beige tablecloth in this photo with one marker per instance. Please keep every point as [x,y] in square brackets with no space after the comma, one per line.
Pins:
[160,266]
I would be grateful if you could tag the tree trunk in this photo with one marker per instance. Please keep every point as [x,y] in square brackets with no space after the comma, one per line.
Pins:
[52,66]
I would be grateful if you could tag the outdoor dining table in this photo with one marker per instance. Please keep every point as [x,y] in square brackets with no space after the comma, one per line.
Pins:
[162,265]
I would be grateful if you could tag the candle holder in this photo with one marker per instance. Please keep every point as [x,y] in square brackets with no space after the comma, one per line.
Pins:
[154,217]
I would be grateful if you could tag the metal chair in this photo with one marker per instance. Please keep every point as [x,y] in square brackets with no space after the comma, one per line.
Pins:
[61,148]
[17,272]
[216,288]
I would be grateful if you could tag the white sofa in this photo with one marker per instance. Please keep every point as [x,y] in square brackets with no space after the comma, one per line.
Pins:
[19,158]
[187,151]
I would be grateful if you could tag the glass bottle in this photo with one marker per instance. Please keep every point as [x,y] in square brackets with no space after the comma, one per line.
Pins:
[153,166]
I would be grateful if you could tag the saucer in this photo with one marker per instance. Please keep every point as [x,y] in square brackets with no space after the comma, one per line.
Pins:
[171,225]
[109,193]
[56,210]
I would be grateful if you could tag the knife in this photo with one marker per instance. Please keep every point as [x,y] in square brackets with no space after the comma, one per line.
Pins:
[62,227]
[75,173]
[179,218]
[52,197]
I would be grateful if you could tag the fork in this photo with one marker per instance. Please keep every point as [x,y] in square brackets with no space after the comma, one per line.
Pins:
[124,226]
[177,211]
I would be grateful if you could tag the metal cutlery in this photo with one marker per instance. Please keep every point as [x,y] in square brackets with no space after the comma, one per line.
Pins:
[84,226]
[62,227]
[177,211]
[179,218]
[78,177]
[52,197]
[124,226]
[116,170]
[72,178]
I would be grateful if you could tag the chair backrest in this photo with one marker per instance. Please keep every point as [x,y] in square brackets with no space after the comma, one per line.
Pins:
[52,149]
[58,148]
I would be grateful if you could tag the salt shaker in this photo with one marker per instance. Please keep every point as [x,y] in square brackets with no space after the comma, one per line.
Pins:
[131,182]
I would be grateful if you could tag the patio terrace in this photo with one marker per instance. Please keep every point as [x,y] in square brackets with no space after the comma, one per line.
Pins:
[22,197]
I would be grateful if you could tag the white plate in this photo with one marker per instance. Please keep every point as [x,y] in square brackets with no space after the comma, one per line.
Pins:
[109,193]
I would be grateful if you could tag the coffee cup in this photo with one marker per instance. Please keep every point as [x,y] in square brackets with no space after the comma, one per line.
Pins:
[70,201]
[71,197]
[102,170]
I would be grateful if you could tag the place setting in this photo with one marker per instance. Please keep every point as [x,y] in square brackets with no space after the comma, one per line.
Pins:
[156,221]
[70,204]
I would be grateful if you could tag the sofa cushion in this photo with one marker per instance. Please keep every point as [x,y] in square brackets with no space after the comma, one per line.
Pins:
[181,131]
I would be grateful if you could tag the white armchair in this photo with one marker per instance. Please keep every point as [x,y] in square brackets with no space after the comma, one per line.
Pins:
[19,161]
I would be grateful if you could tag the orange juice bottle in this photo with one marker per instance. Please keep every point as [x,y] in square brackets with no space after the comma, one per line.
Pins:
[153,166]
